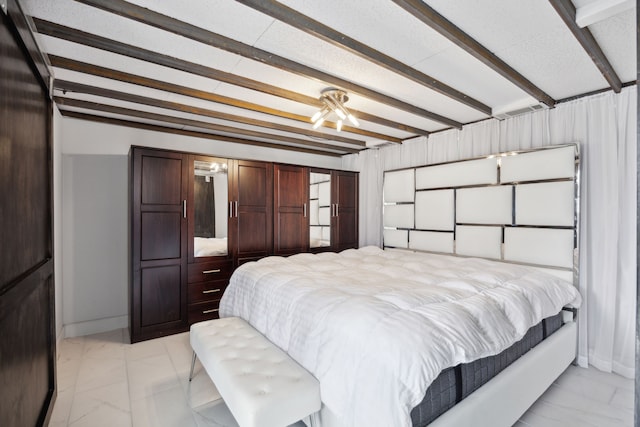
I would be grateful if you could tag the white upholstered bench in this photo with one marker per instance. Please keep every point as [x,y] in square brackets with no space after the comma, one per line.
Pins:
[260,383]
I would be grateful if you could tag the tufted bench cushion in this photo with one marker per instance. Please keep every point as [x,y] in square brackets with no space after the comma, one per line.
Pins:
[260,383]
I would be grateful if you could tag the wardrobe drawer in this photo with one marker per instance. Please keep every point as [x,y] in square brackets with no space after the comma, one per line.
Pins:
[206,291]
[208,271]
[203,311]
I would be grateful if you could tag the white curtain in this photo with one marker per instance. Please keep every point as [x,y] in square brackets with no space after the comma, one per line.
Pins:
[604,125]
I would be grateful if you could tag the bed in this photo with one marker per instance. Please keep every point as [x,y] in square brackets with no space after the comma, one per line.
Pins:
[479,260]
[378,327]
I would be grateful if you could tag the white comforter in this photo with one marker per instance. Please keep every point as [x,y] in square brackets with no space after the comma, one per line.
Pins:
[376,327]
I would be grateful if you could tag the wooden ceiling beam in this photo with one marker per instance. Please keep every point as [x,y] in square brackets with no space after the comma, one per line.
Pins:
[192,133]
[68,86]
[184,29]
[439,23]
[96,70]
[567,12]
[81,37]
[88,105]
[76,36]
[304,23]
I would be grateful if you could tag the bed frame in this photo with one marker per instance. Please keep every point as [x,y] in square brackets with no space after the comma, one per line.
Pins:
[518,207]
[502,400]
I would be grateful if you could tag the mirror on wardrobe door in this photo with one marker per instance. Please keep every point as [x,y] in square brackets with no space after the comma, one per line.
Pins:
[210,202]
[319,210]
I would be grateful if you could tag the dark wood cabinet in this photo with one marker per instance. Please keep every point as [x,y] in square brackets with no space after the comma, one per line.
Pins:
[195,218]
[291,199]
[27,296]
[174,205]
[251,210]
[159,243]
[344,210]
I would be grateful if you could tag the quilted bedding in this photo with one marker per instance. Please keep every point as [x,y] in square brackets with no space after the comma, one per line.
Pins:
[376,327]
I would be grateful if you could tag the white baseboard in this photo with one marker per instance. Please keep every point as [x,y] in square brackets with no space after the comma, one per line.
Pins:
[59,338]
[95,326]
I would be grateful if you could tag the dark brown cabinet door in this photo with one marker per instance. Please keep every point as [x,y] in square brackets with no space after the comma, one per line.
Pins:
[251,210]
[159,243]
[291,222]
[27,317]
[344,215]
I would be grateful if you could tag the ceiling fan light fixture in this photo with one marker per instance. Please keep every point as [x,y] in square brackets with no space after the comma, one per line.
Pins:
[316,116]
[333,102]
[318,123]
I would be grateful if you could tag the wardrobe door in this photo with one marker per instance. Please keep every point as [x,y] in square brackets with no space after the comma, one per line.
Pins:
[251,210]
[159,244]
[291,222]
[210,264]
[208,209]
[344,210]
[320,210]
[27,317]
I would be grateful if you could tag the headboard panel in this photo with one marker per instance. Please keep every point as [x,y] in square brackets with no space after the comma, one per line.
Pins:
[431,241]
[400,186]
[479,241]
[542,164]
[484,205]
[549,247]
[396,238]
[514,207]
[441,219]
[545,203]
[457,174]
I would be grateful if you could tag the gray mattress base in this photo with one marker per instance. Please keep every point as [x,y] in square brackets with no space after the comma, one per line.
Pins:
[455,383]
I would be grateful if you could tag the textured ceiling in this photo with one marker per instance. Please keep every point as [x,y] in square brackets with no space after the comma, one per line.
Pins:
[528,35]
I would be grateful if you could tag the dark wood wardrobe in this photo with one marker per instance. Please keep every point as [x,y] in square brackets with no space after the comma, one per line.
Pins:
[176,279]
[27,317]
[195,218]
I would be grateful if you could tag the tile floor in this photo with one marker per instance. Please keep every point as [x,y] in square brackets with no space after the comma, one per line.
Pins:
[102,381]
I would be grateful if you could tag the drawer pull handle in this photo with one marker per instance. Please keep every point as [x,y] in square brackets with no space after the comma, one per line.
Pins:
[211,271]
[210,311]
[210,291]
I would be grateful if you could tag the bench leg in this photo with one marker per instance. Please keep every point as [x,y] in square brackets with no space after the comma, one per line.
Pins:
[193,363]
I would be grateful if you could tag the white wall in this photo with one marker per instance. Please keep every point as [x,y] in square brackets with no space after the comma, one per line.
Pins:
[94,243]
[94,212]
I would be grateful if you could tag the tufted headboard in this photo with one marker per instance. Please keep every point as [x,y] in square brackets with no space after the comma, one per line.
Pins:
[517,207]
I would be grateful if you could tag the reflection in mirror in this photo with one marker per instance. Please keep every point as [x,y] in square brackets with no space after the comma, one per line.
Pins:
[319,210]
[210,208]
